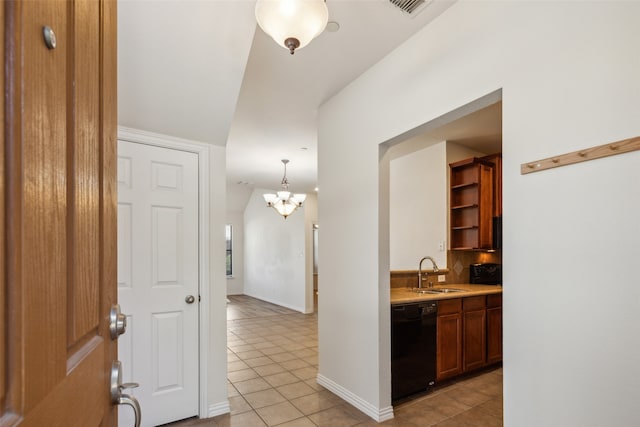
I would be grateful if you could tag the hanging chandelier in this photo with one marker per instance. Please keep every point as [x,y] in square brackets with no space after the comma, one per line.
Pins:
[283,201]
[292,23]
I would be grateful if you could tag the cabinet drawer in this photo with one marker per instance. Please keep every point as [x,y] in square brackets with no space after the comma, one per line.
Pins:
[474,303]
[494,300]
[449,306]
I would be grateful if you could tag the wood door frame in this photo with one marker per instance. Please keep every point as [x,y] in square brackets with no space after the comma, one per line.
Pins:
[202,151]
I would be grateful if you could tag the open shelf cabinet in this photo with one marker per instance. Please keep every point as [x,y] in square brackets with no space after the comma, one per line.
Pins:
[472,204]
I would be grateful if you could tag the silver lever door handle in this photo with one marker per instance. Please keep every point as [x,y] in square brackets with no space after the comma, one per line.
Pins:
[117,322]
[125,399]
[118,398]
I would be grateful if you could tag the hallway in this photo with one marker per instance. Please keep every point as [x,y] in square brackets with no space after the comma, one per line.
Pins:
[272,366]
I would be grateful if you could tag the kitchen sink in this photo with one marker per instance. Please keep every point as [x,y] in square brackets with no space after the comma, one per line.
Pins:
[426,291]
[437,290]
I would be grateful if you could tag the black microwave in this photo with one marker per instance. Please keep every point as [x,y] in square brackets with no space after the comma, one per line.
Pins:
[486,274]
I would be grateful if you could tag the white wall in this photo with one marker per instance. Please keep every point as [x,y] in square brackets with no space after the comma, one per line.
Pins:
[235,284]
[419,201]
[178,73]
[237,197]
[217,366]
[418,208]
[569,78]
[457,152]
[275,253]
[310,218]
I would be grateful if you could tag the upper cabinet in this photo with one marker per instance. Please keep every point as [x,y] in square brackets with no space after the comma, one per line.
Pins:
[474,202]
[496,160]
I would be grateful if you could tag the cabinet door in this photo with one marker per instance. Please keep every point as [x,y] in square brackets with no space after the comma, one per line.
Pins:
[496,160]
[494,334]
[485,208]
[449,357]
[474,339]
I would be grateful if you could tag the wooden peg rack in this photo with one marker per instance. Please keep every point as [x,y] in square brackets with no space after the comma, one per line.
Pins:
[606,150]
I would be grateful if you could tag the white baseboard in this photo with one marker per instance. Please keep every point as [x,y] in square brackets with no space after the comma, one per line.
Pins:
[280,303]
[219,409]
[378,414]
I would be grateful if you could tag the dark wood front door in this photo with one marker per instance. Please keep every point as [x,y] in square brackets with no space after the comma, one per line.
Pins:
[58,240]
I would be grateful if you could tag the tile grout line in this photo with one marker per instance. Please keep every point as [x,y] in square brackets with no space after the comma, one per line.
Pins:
[254,323]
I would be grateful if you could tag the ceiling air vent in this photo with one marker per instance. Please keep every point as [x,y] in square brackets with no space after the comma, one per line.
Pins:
[408,6]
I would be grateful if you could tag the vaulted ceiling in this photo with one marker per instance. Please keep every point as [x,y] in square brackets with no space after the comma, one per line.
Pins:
[204,71]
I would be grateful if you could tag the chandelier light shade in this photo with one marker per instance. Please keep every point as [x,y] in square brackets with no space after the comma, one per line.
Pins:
[283,201]
[292,23]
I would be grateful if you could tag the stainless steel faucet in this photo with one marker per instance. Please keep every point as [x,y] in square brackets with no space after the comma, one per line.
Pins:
[435,270]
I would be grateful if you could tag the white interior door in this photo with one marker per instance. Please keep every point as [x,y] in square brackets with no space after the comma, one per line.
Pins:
[158,279]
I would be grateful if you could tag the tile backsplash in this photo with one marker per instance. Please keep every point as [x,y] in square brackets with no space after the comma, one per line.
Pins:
[458,263]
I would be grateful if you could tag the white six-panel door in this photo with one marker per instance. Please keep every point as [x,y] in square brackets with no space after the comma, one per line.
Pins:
[157,275]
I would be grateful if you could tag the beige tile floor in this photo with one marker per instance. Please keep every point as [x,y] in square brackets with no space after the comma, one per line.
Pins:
[272,366]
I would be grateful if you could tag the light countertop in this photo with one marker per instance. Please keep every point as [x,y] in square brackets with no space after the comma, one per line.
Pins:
[404,295]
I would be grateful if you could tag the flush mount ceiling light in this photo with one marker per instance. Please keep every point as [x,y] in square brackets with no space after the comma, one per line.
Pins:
[284,202]
[292,23]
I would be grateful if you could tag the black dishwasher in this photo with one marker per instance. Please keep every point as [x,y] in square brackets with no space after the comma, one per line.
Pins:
[413,348]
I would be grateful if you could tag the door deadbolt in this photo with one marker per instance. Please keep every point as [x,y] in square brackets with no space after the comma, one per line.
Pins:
[117,322]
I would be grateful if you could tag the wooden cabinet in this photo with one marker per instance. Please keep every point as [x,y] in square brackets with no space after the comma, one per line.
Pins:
[496,160]
[472,204]
[449,339]
[474,332]
[494,328]
[469,334]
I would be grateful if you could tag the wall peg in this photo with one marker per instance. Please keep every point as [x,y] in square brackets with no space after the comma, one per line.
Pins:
[610,149]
